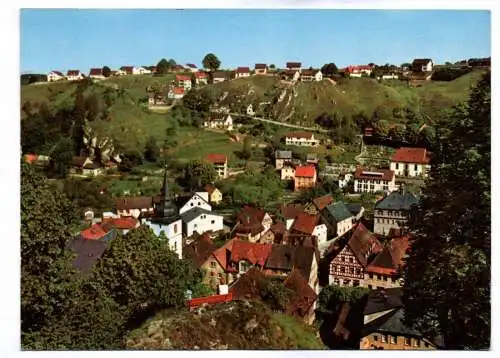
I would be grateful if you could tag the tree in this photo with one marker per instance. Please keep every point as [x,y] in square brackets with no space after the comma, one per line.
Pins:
[211,62]
[447,275]
[61,157]
[162,67]
[329,69]
[151,152]
[406,65]
[106,71]
[46,271]
[272,66]
[171,63]
[198,173]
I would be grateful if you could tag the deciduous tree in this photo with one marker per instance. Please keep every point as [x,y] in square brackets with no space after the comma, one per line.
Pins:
[211,62]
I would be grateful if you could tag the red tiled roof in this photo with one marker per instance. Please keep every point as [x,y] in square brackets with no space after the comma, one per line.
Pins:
[376,174]
[307,171]
[391,257]
[95,232]
[123,223]
[260,66]
[323,201]
[243,70]
[291,211]
[363,243]
[201,74]
[237,250]
[209,188]
[178,90]
[182,78]
[30,158]
[305,223]
[73,72]
[95,72]
[358,68]
[216,158]
[411,155]
[210,300]
[300,134]
[250,220]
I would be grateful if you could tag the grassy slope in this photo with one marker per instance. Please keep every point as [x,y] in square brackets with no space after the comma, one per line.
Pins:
[223,327]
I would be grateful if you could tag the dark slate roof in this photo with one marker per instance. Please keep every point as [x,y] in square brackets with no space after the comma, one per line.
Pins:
[285,258]
[199,250]
[382,300]
[193,214]
[87,251]
[391,323]
[339,211]
[397,200]
[354,208]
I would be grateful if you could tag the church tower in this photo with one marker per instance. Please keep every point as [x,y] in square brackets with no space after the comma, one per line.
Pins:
[168,208]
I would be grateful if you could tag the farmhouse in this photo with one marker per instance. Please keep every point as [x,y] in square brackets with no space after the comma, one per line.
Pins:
[309,225]
[219,121]
[422,65]
[411,162]
[130,70]
[372,181]
[176,93]
[392,212]
[96,74]
[359,70]
[220,76]
[55,76]
[201,78]
[287,171]
[219,161]
[311,75]
[294,66]
[305,139]
[242,72]
[260,68]
[290,75]
[74,75]
[200,220]
[252,223]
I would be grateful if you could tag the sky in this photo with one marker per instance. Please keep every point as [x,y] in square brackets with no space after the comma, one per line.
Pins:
[80,39]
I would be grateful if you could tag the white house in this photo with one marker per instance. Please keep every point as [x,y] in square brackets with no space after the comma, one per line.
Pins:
[321,233]
[338,218]
[55,76]
[294,66]
[250,111]
[422,65]
[201,78]
[219,120]
[411,162]
[183,81]
[134,206]
[389,76]
[393,211]
[198,200]
[260,68]
[359,70]
[143,71]
[200,220]
[191,67]
[376,180]
[301,139]
[242,72]
[288,171]
[74,75]
[96,74]
[311,75]
[344,180]
[176,93]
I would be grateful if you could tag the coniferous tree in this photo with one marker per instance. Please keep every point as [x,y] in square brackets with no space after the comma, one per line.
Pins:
[447,275]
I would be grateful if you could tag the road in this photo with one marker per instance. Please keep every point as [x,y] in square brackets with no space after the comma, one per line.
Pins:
[267,120]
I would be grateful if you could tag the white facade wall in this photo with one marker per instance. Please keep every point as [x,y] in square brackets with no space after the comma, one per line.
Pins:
[375,185]
[301,141]
[241,75]
[318,77]
[75,78]
[412,169]
[287,173]
[134,212]
[172,231]
[195,201]
[320,231]
[204,223]
[343,182]
[344,226]
[52,77]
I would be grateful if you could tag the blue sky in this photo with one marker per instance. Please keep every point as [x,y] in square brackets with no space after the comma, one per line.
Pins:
[81,39]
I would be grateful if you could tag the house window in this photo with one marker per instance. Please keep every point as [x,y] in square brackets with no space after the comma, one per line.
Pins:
[212,222]
[383,338]
[351,270]
[379,277]
[347,282]
[370,287]
[192,204]
[407,341]
[175,229]
[371,276]
[212,264]
[394,339]
[384,278]
[426,345]
[336,281]
[416,167]
[342,269]
[375,337]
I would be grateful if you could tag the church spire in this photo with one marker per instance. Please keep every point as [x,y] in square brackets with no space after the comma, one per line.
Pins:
[169,208]
[165,192]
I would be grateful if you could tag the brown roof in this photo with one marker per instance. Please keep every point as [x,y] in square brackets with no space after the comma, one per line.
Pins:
[237,250]
[95,72]
[309,72]
[243,70]
[134,202]
[250,285]
[421,61]
[250,220]
[73,72]
[375,174]
[391,257]
[216,158]
[323,201]
[260,66]
[411,155]
[209,188]
[363,243]
[220,74]
[291,211]
[293,64]
[200,249]
[305,223]
[304,296]
[286,258]
[300,134]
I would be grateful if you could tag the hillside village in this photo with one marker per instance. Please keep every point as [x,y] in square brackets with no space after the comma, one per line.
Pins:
[335,223]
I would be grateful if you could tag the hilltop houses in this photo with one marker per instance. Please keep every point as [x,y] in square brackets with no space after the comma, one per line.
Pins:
[55,76]
[305,177]
[74,75]
[219,121]
[422,65]
[176,93]
[183,81]
[372,181]
[260,69]
[359,70]
[294,66]
[219,161]
[242,72]
[311,75]
[201,78]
